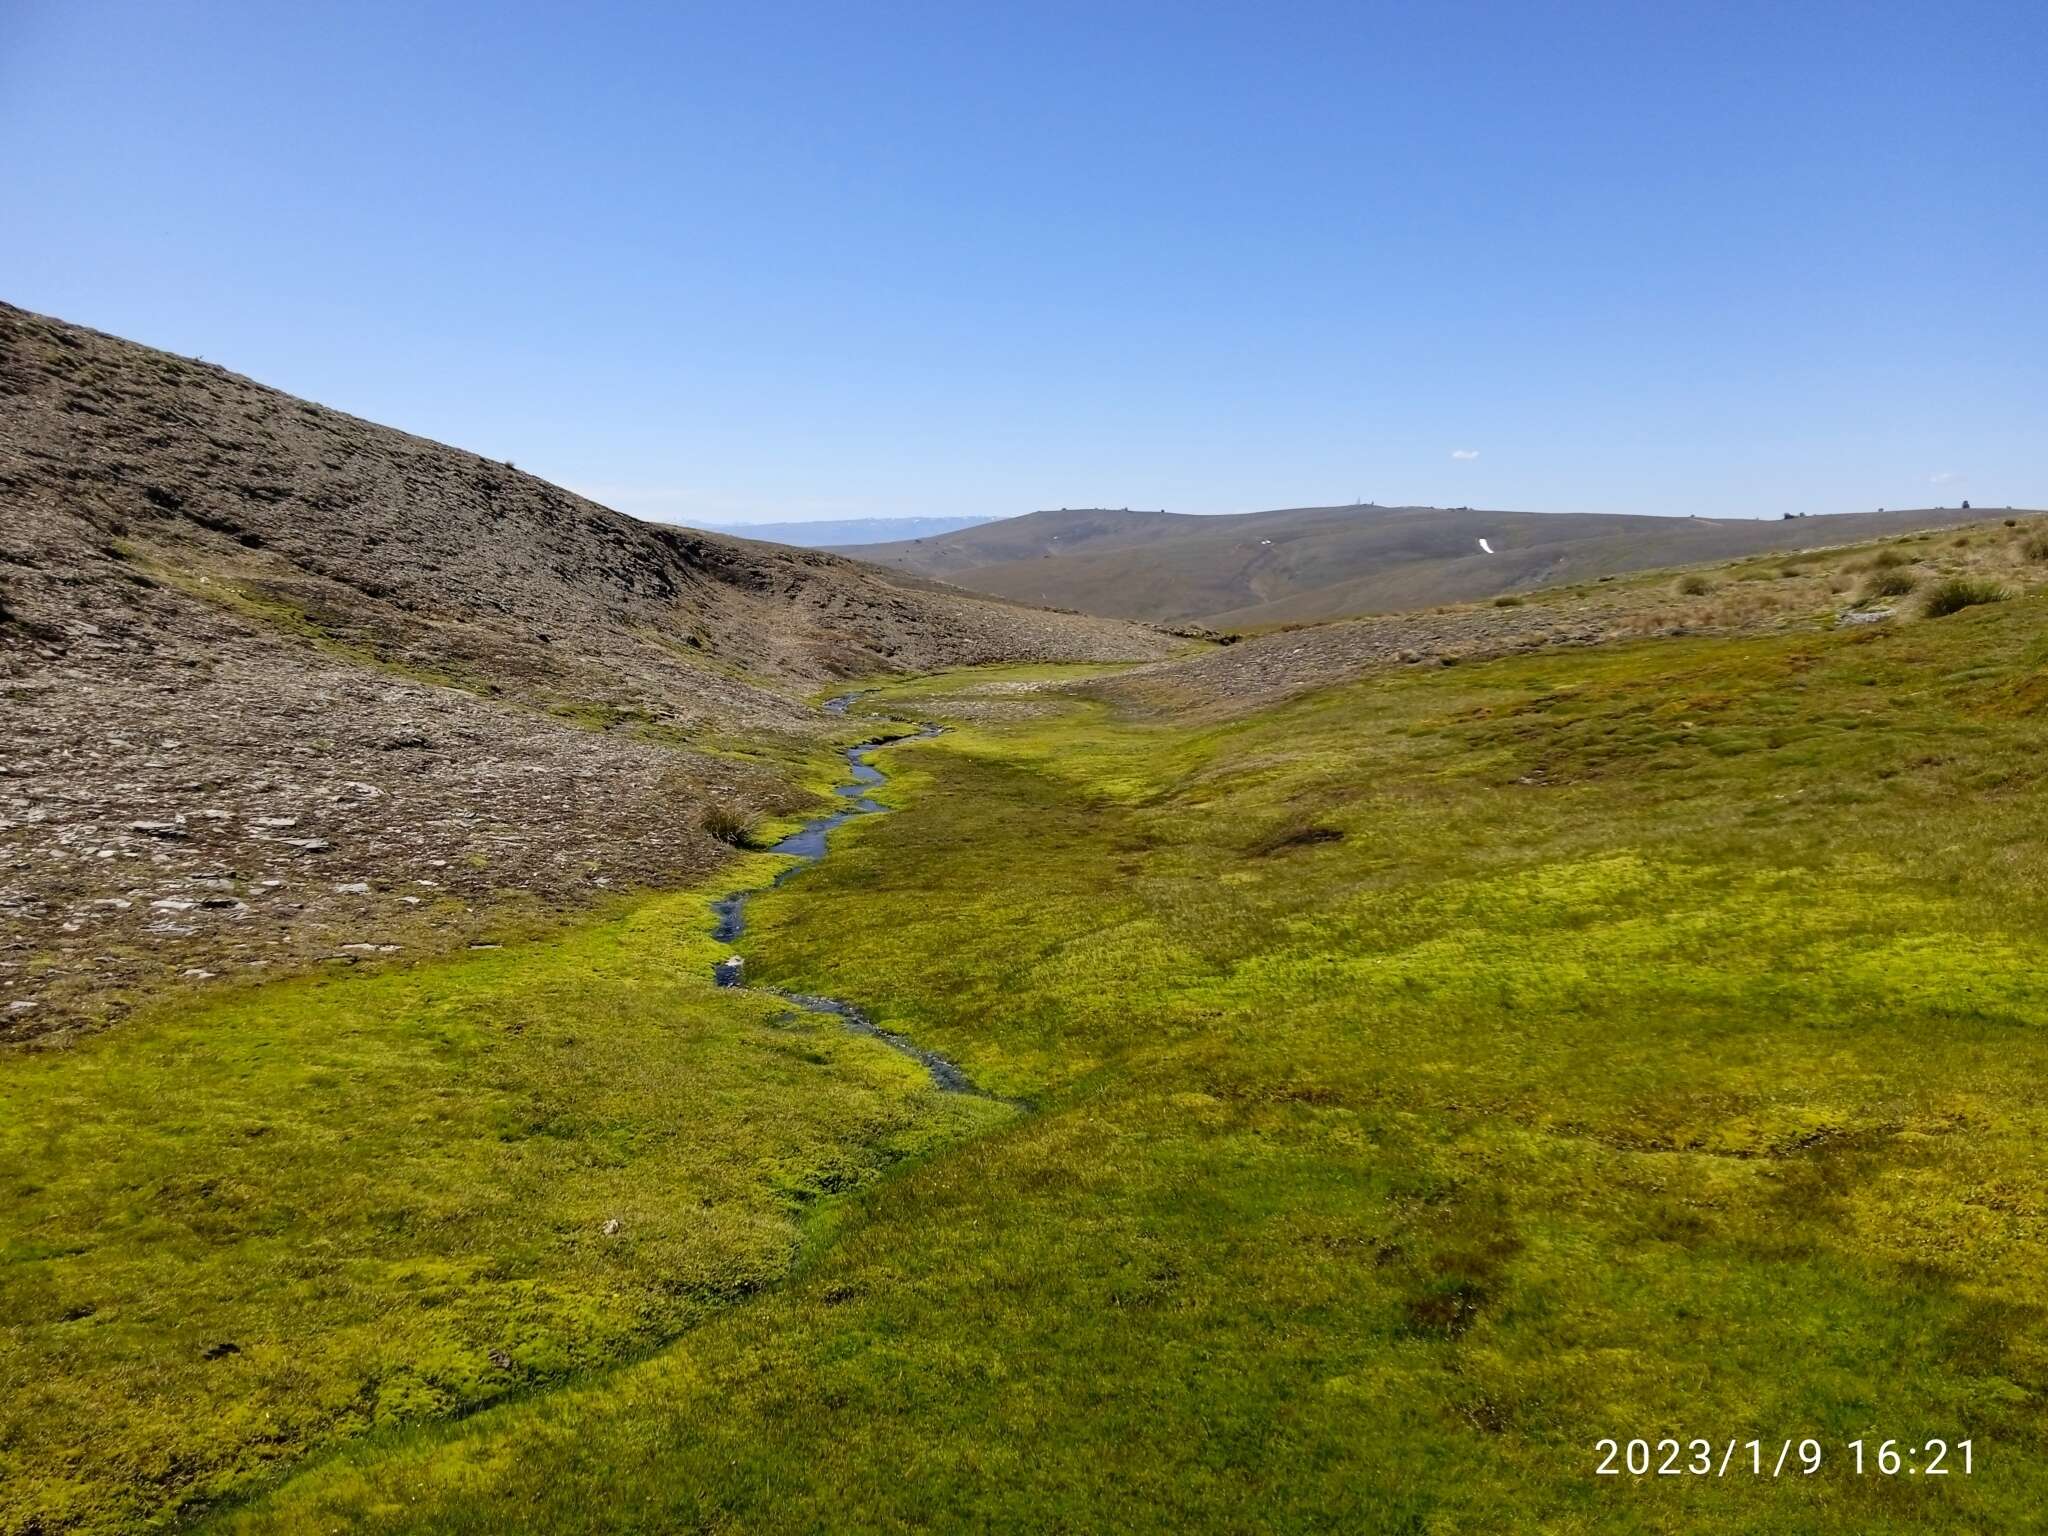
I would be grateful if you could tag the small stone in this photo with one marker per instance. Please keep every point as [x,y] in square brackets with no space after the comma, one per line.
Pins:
[611,1227]
[501,1360]
[308,844]
[353,888]
[157,828]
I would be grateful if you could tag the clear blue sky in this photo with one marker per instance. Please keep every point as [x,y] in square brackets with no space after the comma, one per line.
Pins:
[753,261]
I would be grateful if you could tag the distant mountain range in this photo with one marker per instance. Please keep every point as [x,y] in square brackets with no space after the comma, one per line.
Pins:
[846,530]
[1303,564]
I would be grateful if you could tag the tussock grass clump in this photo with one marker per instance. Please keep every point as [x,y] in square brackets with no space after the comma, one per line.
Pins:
[1507,600]
[1886,559]
[730,824]
[1890,583]
[2036,546]
[1960,592]
[1694,585]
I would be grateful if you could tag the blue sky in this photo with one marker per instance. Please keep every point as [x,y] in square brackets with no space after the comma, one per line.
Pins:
[719,262]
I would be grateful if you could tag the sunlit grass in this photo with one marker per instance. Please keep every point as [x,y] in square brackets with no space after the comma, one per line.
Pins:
[239,1231]
[1653,1053]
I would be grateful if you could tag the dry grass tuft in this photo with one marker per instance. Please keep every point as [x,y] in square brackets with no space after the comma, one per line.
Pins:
[728,823]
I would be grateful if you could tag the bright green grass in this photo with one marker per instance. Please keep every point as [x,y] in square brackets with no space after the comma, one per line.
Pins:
[1656,1053]
[318,1208]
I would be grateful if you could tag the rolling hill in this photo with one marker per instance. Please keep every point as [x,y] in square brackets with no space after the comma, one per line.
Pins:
[286,686]
[830,533]
[1306,564]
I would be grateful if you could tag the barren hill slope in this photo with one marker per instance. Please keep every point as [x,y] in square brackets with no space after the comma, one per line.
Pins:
[280,681]
[1305,564]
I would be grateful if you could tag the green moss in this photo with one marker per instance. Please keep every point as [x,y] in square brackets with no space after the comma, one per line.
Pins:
[1654,1053]
[239,1231]
[1519,1116]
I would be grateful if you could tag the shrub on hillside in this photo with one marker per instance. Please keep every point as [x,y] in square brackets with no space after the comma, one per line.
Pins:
[1507,601]
[1891,583]
[1885,559]
[2036,546]
[1694,585]
[1959,592]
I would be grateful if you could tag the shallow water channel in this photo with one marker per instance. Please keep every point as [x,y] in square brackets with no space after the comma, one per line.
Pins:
[810,843]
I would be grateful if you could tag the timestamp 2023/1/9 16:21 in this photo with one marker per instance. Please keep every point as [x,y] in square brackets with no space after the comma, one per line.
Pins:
[1669,1457]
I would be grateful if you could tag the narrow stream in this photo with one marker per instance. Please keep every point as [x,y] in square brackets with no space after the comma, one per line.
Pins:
[810,843]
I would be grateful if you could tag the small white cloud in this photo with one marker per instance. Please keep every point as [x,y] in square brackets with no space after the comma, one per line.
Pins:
[1464,453]
[1945,476]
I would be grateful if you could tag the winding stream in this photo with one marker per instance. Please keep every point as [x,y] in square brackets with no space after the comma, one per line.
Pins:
[810,843]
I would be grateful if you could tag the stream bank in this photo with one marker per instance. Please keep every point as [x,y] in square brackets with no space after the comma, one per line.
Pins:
[810,843]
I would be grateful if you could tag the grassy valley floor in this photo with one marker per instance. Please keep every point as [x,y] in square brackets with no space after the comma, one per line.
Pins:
[1422,1080]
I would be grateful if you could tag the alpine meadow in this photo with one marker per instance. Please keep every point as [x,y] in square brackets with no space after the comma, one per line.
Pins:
[1110,770]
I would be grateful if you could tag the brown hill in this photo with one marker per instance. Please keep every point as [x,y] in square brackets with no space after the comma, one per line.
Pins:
[284,684]
[1304,564]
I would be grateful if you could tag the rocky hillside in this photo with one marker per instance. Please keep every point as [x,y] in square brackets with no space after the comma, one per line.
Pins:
[1307,564]
[286,686]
